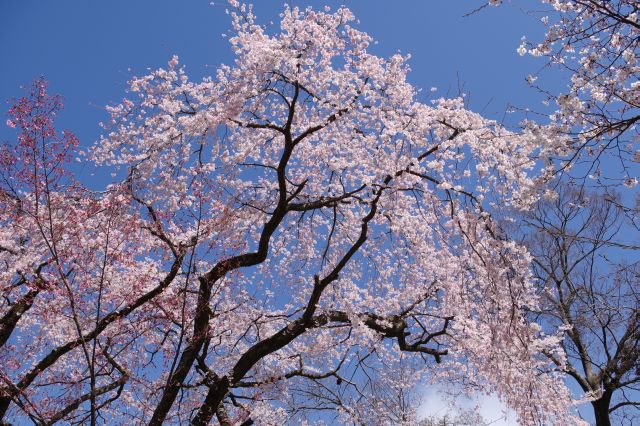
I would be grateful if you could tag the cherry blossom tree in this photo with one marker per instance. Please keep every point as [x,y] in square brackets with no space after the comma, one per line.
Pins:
[583,235]
[297,234]
[589,276]
[595,44]
[66,255]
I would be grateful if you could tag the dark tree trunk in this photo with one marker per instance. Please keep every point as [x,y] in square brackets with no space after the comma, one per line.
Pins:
[601,409]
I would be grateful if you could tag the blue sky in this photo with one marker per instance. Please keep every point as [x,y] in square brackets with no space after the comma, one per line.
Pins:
[86,49]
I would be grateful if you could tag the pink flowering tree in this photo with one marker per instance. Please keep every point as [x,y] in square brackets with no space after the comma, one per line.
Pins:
[583,236]
[595,44]
[297,234]
[70,275]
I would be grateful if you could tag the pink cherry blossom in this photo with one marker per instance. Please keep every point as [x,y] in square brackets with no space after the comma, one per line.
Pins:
[296,231]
